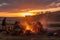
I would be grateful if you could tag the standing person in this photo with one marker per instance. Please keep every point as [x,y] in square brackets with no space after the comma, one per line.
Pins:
[4,22]
[4,28]
[41,27]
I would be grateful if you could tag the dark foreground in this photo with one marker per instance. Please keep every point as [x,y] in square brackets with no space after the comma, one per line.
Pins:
[29,37]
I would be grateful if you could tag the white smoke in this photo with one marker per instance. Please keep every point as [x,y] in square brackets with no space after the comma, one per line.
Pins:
[54,4]
[58,4]
[3,4]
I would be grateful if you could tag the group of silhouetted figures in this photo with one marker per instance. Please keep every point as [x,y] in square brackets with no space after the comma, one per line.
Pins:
[17,30]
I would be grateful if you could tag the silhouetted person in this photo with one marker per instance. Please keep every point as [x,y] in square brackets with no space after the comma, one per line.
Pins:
[16,25]
[17,28]
[4,22]
[3,25]
[41,26]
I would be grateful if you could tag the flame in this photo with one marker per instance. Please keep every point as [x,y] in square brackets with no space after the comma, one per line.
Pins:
[27,26]
[33,28]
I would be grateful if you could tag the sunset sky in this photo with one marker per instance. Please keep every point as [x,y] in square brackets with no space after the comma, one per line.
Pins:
[17,5]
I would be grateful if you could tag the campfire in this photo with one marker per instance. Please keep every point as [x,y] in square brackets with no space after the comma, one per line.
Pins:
[33,27]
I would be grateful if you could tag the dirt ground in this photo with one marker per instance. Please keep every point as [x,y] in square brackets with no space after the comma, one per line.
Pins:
[29,37]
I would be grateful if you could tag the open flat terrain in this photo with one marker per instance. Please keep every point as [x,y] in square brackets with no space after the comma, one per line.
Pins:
[29,37]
